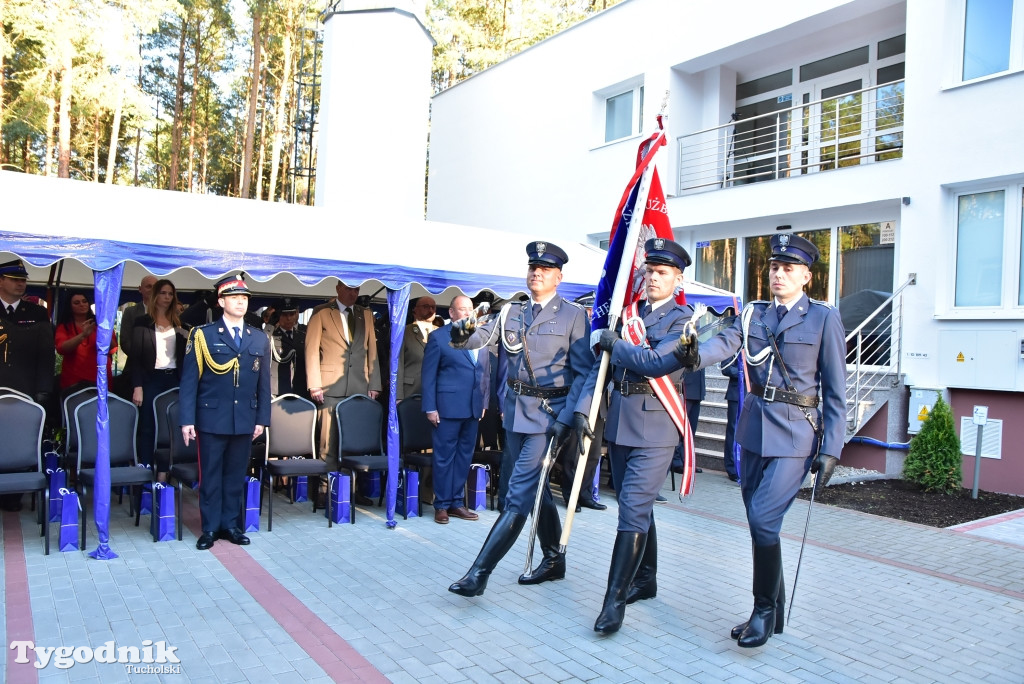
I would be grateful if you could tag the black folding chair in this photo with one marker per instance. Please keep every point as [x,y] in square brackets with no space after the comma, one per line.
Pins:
[21,456]
[182,461]
[416,438]
[291,449]
[360,423]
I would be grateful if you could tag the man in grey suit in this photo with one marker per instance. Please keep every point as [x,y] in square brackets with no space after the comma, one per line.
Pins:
[414,342]
[793,418]
[341,360]
[641,433]
[456,384]
[546,339]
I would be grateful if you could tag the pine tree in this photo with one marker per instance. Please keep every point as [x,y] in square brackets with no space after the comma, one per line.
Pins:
[934,461]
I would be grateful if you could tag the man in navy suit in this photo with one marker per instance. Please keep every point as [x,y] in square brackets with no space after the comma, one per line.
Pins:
[224,404]
[793,418]
[455,390]
[641,433]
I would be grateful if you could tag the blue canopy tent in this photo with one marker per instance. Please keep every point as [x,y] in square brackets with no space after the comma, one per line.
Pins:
[99,234]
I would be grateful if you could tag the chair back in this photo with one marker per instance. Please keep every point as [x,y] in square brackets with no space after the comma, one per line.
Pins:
[179,452]
[10,390]
[162,439]
[415,432]
[123,423]
[292,425]
[360,422]
[21,424]
[71,403]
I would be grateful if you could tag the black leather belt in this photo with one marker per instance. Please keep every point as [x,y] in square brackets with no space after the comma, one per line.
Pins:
[519,387]
[777,394]
[166,371]
[626,388]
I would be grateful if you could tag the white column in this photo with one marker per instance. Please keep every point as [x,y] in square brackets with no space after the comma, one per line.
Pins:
[374,109]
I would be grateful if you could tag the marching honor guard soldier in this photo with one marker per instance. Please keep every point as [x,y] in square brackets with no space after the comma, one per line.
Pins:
[794,417]
[224,404]
[287,350]
[641,429]
[546,339]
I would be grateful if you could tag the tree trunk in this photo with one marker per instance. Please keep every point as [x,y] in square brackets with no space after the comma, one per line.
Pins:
[262,156]
[192,105]
[51,126]
[115,134]
[179,88]
[282,100]
[250,124]
[96,146]
[64,121]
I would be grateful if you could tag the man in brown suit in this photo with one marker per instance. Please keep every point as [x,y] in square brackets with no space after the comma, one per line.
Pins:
[341,360]
[410,357]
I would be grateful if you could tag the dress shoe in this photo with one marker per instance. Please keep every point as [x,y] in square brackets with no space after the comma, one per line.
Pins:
[660,499]
[590,503]
[463,512]
[679,470]
[363,500]
[734,478]
[205,541]
[440,516]
[235,536]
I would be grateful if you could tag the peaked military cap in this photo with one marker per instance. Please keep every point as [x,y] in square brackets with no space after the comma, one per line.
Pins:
[13,269]
[546,254]
[793,249]
[668,252]
[232,285]
[286,305]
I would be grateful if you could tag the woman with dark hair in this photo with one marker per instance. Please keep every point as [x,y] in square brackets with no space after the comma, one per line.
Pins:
[158,349]
[75,339]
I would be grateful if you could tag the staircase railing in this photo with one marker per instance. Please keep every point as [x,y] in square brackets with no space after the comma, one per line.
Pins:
[874,356]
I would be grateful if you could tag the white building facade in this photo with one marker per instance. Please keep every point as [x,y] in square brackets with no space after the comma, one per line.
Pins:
[888,132]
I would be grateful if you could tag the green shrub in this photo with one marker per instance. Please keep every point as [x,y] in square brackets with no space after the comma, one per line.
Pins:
[934,461]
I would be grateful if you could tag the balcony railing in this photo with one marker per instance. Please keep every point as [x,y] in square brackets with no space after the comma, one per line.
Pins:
[859,127]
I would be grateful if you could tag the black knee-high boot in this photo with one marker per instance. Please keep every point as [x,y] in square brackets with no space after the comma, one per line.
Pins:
[549,533]
[626,555]
[645,584]
[767,568]
[500,539]
[780,609]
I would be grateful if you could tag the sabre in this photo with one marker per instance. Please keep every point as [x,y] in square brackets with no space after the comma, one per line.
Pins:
[807,524]
[545,468]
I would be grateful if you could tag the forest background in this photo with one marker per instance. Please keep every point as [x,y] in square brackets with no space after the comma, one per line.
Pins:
[208,96]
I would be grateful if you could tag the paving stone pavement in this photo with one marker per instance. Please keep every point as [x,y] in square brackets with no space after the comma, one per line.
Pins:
[878,601]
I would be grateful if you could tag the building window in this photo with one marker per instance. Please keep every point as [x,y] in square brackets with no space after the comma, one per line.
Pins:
[988,28]
[623,110]
[979,248]
[715,264]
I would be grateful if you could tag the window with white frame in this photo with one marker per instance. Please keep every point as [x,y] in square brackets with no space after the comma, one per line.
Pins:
[989,252]
[622,109]
[993,37]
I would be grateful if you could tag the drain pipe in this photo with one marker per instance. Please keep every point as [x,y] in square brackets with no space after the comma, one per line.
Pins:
[898,446]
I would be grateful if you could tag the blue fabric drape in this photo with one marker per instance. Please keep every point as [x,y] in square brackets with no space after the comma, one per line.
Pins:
[108,290]
[398,307]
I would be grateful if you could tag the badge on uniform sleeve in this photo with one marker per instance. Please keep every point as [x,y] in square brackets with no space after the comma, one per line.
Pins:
[256,365]
[188,346]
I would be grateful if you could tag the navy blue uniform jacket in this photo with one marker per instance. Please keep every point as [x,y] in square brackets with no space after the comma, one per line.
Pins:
[212,403]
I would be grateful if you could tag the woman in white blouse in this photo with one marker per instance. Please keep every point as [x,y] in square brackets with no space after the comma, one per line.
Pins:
[158,350]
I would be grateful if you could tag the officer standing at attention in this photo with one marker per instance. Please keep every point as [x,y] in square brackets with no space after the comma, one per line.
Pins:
[224,404]
[641,433]
[287,350]
[794,417]
[547,343]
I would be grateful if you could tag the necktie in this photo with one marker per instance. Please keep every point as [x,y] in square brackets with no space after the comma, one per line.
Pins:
[351,318]
[10,309]
[645,310]
[782,311]
[537,308]
[236,335]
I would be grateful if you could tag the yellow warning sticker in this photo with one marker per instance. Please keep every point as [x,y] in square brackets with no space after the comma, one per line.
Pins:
[923,413]
[960,357]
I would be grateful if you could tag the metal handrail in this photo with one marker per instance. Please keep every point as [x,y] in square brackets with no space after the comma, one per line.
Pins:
[707,158]
[867,370]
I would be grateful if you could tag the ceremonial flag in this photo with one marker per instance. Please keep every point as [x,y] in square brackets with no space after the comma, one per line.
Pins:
[625,260]
[622,256]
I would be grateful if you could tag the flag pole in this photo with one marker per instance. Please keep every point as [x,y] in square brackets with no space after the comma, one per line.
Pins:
[618,294]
